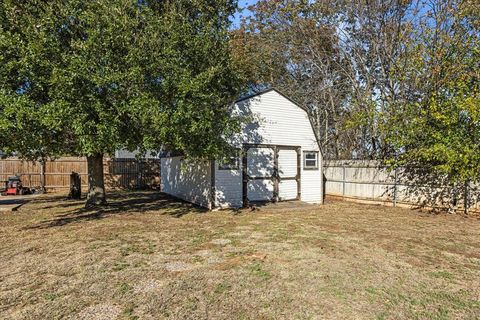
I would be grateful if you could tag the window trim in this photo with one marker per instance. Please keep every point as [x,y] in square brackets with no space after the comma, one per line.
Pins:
[305,167]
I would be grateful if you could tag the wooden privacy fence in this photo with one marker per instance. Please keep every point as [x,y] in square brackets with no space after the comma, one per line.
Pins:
[119,173]
[364,181]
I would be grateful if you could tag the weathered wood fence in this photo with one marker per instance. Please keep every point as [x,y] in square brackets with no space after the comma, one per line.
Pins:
[119,173]
[369,181]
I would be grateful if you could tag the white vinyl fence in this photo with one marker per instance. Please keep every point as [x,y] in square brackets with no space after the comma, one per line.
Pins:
[369,181]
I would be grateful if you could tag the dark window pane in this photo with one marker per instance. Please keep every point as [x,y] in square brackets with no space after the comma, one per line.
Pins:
[311,163]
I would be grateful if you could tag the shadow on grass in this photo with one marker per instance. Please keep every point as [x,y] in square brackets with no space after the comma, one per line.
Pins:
[12,201]
[119,204]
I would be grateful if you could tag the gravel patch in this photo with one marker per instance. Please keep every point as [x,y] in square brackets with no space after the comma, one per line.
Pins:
[147,286]
[221,242]
[237,234]
[204,253]
[257,235]
[104,311]
[246,228]
[209,256]
[215,260]
[178,266]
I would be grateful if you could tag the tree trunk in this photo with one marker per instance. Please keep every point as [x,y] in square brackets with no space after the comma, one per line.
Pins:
[96,187]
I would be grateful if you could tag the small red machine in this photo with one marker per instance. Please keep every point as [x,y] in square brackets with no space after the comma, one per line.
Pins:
[14,187]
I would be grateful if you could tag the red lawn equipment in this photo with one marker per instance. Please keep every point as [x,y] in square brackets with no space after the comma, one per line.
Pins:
[14,187]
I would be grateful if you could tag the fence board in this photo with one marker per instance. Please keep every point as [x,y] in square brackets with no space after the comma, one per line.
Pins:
[370,181]
[119,173]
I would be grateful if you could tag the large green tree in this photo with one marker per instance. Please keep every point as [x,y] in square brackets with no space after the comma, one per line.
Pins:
[88,77]
[437,126]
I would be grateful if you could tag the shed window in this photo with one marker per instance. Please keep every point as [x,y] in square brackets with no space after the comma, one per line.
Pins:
[230,163]
[310,160]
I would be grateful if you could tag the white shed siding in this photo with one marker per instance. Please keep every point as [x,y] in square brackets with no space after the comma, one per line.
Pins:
[287,190]
[277,121]
[281,122]
[125,154]
[260,190]
[287,168]
[287,163]
[260,162]
[312,186]
[191,183]
[228,188]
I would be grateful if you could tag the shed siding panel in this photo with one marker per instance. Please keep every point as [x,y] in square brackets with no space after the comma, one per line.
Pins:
[228,188]
[260,162]
[287,163]
[277,121]
[311,186]
[260,190]
[191,184]
[287,190]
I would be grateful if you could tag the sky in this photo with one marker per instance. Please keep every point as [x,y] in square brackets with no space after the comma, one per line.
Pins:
[243,4]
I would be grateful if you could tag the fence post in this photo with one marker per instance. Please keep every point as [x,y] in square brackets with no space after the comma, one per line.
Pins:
[42,175]
[343,180]
[395,188]
[141,168]
[75,186]
[454,198]
[465,197]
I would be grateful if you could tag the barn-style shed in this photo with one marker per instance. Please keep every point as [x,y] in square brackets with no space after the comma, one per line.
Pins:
[279,159]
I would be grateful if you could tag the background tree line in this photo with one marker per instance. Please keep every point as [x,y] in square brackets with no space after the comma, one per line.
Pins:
[395,80]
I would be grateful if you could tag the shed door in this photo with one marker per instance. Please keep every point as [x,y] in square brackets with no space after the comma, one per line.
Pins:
[288,174]
[270,173]
[261,171]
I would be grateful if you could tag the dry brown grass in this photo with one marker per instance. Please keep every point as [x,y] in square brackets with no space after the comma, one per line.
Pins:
[147,257]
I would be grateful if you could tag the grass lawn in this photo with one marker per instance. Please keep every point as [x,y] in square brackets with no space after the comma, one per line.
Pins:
[148,257]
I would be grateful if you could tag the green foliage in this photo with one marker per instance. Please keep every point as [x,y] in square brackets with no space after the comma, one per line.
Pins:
[439,127]
[89,77]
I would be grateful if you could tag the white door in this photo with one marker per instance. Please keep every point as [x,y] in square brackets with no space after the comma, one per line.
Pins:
[287,174]
[260,170]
